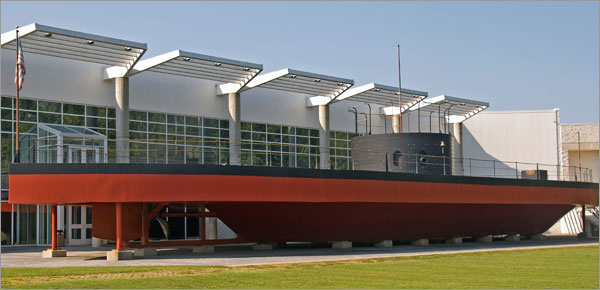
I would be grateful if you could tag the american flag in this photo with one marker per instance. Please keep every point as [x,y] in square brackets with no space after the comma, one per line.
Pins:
[20,70]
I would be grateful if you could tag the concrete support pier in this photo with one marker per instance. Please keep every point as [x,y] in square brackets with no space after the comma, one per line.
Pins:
[262,247]
[512,238]
[384,244]
[234,129]
[145,252]
[122,119]
[54,253]
[538,237]
[325,158]
[212,228]
[454,241]
[420,242]
[206,249]
[116,255]
[341,245]
[484,239]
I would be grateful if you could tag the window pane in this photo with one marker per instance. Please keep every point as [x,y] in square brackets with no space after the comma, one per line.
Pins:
[95,111]
[73,109]
[7,102]
[192,121]
[158,128]
[137,152]
[193,154]
[302,132]
[27,116]
[274,129]
[194,131]
[259,127]
[76,215]
[73,120]
[137,115]
[49,106]
[157,117]
[211,123]
[25,104]
[211,132]
[111,112]
[137,126]
[49,118]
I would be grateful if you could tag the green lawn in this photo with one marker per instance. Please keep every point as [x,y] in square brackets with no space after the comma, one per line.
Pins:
[572,267]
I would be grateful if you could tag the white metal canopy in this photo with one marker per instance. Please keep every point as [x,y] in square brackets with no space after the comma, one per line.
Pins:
[58,42]
[374,93]
[302,82]
[189,64]
[455,110]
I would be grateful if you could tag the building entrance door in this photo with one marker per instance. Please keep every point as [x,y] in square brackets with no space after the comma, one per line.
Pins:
[79,217]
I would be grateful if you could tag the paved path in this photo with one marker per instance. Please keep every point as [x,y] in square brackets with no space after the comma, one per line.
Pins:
[241,255]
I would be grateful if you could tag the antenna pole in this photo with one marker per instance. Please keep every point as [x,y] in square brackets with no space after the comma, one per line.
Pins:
[397,119]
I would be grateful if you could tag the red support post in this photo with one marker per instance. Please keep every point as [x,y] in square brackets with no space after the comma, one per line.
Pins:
[54,228]
[145,225]
[119,218]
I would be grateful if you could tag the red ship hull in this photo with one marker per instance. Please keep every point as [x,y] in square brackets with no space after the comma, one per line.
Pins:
[263,204]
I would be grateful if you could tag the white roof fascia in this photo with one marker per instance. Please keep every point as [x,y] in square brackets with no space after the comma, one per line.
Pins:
[10,36]
[355,91]
[268,77]
[265,78]
[154,61]
[453,118]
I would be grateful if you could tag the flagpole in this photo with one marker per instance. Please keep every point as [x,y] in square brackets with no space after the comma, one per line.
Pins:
[17,155]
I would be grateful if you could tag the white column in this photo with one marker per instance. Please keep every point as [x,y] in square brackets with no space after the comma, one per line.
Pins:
[122,115]
[459,164]
[234,129]
[397,123]
[325,157]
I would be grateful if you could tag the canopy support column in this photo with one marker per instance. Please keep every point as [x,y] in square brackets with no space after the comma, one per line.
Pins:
[234,129]
[458,135]
[325,158]
[397,123]
[122,116]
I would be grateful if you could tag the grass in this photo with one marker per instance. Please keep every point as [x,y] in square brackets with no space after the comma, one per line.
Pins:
[570,267]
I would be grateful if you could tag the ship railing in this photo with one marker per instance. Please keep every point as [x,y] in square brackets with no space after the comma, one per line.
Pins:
[277,154]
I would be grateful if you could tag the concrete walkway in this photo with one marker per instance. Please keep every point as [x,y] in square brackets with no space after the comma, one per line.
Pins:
[242,255]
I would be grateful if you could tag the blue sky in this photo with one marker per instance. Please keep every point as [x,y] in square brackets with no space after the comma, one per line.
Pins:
[514,55]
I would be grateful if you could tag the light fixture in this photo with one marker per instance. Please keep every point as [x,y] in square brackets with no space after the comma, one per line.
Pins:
[397,93]
[48,34]
[340,84]
[246,69]
[90,42]
[217,64]
[378,90]
[186,59]
[127,48]
[317,80]
[293,76]
[463,103]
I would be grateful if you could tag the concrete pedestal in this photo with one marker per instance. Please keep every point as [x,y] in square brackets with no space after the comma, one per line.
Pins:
[54,253]
[203,249]
[115,255]
[512,238]
[96,243]
[341,245]
[144,252]
[384,244]
[484,239]
[454,241]
[538,237]
[421,242]
[262,247]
